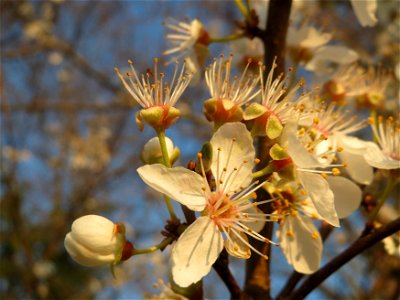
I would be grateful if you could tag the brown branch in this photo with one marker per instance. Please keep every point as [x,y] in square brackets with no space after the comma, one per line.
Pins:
[222,269]
[356,248]
[257,282]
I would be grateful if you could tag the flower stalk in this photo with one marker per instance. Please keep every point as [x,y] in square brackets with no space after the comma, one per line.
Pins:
[161,246]
[167,163]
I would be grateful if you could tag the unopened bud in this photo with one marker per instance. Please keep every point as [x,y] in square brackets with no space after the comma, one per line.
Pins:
[152,153]
[96,241]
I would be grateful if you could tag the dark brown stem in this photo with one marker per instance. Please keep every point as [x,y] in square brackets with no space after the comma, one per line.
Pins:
[275,34]
[222,269]
[356,248]
[257,282]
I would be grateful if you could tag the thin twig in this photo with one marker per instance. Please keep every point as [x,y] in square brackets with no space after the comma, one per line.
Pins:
[356,248]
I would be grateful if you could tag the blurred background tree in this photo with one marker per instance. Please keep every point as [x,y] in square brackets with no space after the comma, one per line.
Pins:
[70,146]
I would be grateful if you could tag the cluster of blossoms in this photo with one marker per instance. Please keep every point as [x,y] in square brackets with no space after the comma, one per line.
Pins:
[309,147]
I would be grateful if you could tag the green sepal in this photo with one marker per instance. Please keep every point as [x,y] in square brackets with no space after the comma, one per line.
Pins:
[112,269]
[209,108]
[152,115]
[139,121]
[277,152]
[254,111]
[207,156]
[274,127]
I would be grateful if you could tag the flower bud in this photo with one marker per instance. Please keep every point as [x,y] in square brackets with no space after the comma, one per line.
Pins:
[152,153]
[96,241]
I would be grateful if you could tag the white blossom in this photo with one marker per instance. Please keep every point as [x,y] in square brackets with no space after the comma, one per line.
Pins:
[226,211]
[387,154]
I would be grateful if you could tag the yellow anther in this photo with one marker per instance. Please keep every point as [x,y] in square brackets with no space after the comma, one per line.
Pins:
[155,285]
[200,155]
[315,235]
[265,256]
[314,216]
[345,164]
[257,161]
[316,120]
[254,195]
[335,171]
[324,175]
[290,233]
[339,149]
[295,213]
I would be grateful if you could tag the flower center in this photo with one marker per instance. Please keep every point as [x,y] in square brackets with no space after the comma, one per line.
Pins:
[221,209]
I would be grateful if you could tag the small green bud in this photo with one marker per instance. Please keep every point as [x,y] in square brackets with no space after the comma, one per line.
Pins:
[206,157]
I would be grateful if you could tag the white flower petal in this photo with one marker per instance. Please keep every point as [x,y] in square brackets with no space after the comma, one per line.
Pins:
[326,55]
[196,251]
[352,144]
[347,195]
[357,167]
[365,11]
[255,225]
[233,154]
[301,157]
[308,208]
[376,158]
[84,256]
[301,243]
[321,196]
[235,245]
[178,183]
[95,233]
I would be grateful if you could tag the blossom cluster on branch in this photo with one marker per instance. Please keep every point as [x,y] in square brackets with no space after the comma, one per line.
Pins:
[312,166]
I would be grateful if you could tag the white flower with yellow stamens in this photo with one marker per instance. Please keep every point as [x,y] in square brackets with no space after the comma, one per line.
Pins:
[228,95]
[323,190]
[155,95]
[332,125]
[300,240]
[276,106]
[189,40]
[387,154]
[226,210]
